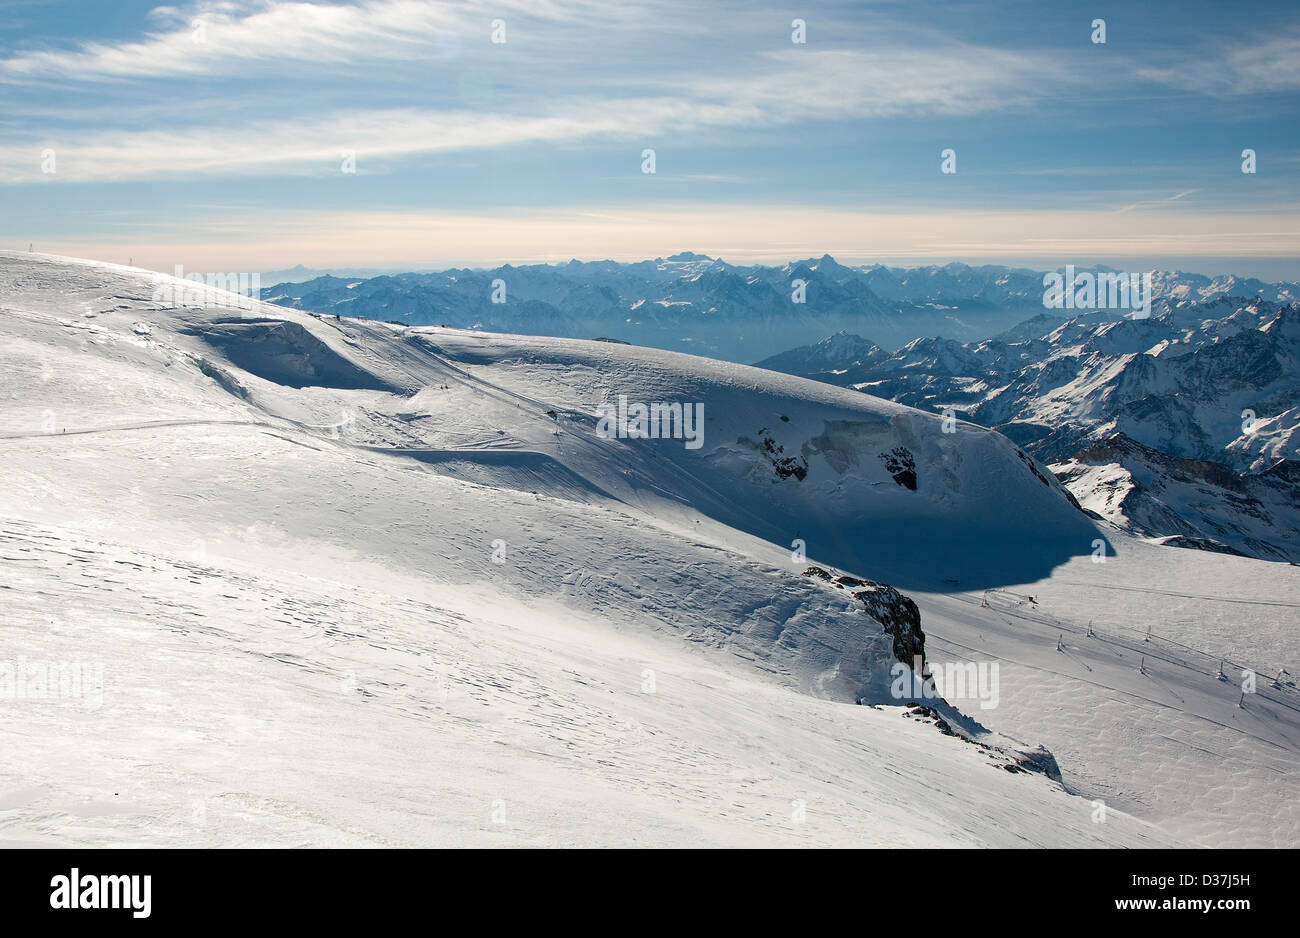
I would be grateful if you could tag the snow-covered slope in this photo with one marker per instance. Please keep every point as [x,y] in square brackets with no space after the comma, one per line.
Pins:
[353,583]
[1192,503]
[1205,382]
[829,360]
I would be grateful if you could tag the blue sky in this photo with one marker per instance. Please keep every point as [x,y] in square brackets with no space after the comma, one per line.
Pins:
[212,134]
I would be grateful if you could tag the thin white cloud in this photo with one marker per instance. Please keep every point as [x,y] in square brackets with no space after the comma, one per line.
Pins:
[889,81]
[832,84]
[1249,66]
[1177,197]
[214,39]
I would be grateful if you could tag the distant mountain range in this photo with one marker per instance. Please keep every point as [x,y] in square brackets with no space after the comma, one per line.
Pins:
[1182,425]
[300,273]
[693,303]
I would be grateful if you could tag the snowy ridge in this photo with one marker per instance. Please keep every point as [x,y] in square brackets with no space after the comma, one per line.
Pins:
[1191,503]
[1206,382]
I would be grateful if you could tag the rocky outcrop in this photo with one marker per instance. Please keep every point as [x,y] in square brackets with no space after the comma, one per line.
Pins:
[896,613]
[900,464]
[1016,760]
[1039,759]
[784,466]
[899,617]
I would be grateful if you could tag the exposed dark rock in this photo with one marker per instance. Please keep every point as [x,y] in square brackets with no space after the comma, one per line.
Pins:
[900,464]
[1201,543]
[1039,475]
[1192,503]
[929,713]
[1021,761]
[1038,760]
[784,466]
[900,618]
[1116,447]
[896,613]
[1284,470]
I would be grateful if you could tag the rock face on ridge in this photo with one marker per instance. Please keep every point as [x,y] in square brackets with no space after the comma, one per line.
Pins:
[1193,503]
[896,613]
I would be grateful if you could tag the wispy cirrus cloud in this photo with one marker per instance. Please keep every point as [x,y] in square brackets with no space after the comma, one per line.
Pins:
[1176,197]
[268,94]
[833,83]
[951,78]
[571,73]
[1262,65]
[225,38]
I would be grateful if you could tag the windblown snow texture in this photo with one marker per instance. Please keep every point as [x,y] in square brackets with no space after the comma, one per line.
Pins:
[353,583]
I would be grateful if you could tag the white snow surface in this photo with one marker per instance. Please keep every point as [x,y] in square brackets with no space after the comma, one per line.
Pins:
[276,533]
